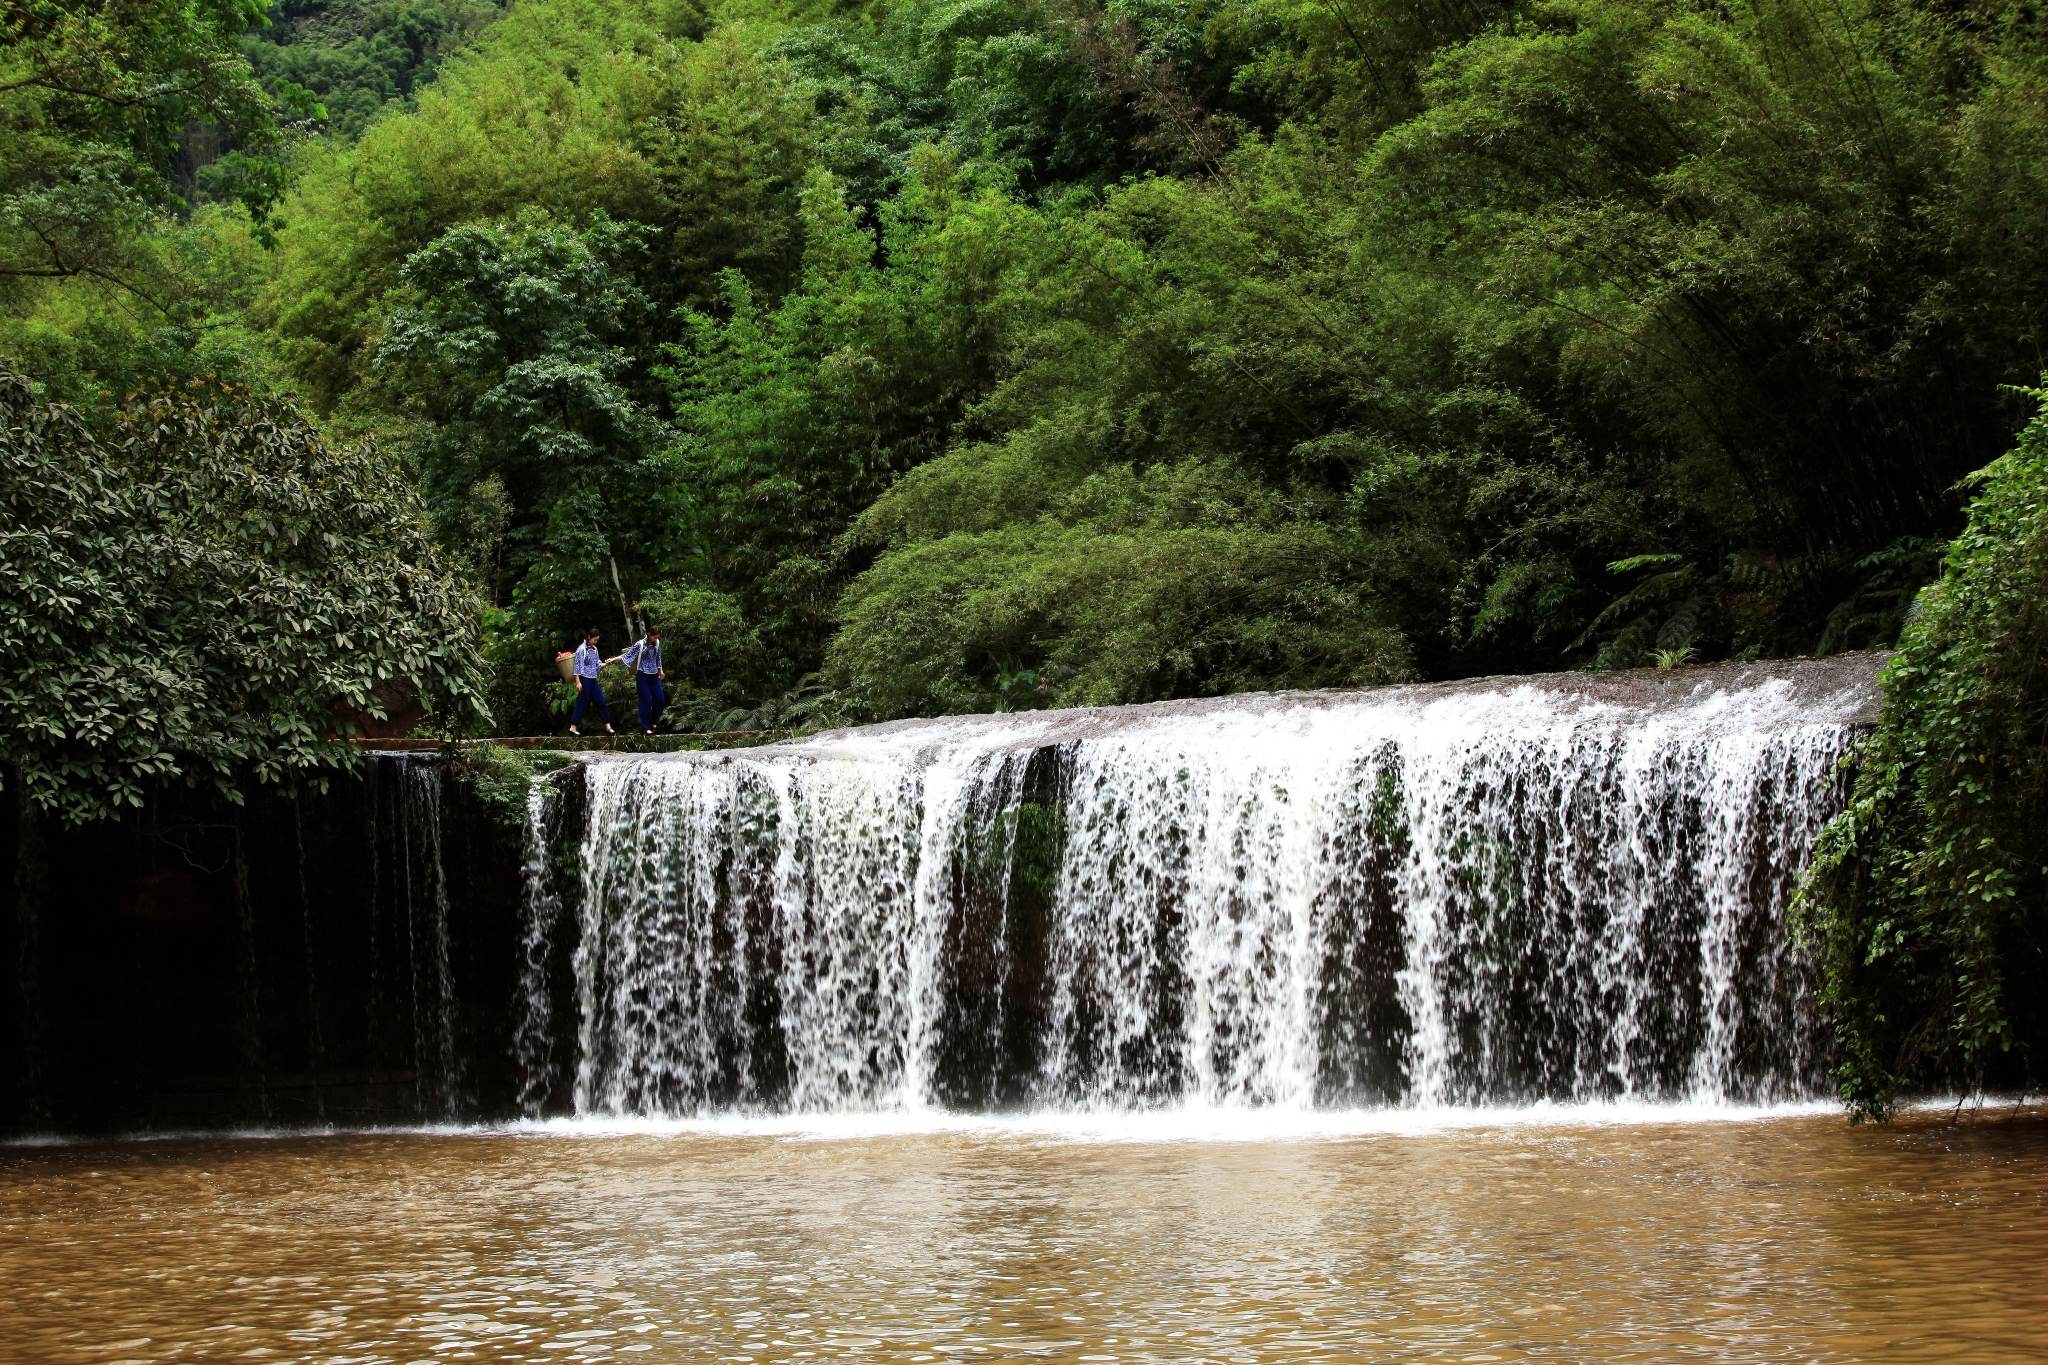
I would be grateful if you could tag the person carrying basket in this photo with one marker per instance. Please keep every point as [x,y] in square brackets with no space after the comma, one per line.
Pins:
[584,667]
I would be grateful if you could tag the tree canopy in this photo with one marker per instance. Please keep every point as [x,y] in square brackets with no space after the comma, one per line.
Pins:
[207,592]
[96,97]
[954,354]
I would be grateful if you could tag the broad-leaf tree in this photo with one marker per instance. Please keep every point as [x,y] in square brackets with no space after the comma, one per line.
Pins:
[205,592]
[95,98]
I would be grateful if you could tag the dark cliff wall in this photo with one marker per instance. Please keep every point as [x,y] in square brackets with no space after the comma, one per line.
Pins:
[348,956]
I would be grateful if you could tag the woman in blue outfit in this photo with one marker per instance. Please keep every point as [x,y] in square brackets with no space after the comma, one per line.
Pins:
[643,656]
[586,665]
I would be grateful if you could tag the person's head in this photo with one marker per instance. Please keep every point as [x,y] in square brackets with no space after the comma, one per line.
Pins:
[590,635]
[654,634]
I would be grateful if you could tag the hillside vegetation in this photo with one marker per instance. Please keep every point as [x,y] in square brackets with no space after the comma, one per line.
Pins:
[943,356]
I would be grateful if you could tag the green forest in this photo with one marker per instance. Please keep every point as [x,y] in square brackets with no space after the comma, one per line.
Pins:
[958,355]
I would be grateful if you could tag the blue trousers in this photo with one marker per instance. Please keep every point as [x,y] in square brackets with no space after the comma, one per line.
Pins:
[589,694]
[653,699]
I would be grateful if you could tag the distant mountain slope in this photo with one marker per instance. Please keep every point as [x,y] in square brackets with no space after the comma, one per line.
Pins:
[356,56]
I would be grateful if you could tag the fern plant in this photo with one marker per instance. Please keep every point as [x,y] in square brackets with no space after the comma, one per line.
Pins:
[1661,612]
[811,705]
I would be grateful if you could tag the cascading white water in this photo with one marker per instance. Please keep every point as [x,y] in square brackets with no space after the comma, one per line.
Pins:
[535,1043]
[437,1062]
[710,885]
[1569,888]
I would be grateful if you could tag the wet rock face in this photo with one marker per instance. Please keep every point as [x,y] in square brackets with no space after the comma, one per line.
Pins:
[1562,887]
[306,957]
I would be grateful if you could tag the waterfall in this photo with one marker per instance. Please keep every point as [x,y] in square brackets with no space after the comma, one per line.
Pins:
[1564,888]
[534,1045]
[437,1064]
[253,1065]
[315,1045]
[375,1008]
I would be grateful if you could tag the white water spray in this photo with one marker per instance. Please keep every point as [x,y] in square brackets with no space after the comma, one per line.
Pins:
[1567,889]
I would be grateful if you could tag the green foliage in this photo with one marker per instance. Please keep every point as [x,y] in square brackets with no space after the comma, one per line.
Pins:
[1658,617]
[1926,900]
[504,339]
[95,96]
[1744,232]
[1037,839]
[1009,83]
[358,56]
[986,353]
[706,632]
[500,779]
[1106,614]
[484,279]
[88,341]
[206,592]
[1021,847]
[1647,286]
[811,705]
[1195,384]
[106,275]
[503,344]
[791,420]
[559,108]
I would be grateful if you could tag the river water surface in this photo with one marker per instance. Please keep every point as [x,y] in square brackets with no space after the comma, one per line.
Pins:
[1168,1239]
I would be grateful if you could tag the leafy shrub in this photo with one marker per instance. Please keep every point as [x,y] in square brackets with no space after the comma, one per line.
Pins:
[1107,615]
[206,593]
[1929,897]
[500,778]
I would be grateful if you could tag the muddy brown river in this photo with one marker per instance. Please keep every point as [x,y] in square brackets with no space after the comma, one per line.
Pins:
[1788,1238]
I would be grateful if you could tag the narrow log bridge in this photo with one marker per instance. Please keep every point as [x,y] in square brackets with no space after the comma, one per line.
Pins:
[621,743]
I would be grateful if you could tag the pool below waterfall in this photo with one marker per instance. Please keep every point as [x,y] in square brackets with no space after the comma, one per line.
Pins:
[1446,1023]
[1611,1235]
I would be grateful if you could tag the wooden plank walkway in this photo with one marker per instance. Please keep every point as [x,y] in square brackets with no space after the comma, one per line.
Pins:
[621,743]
